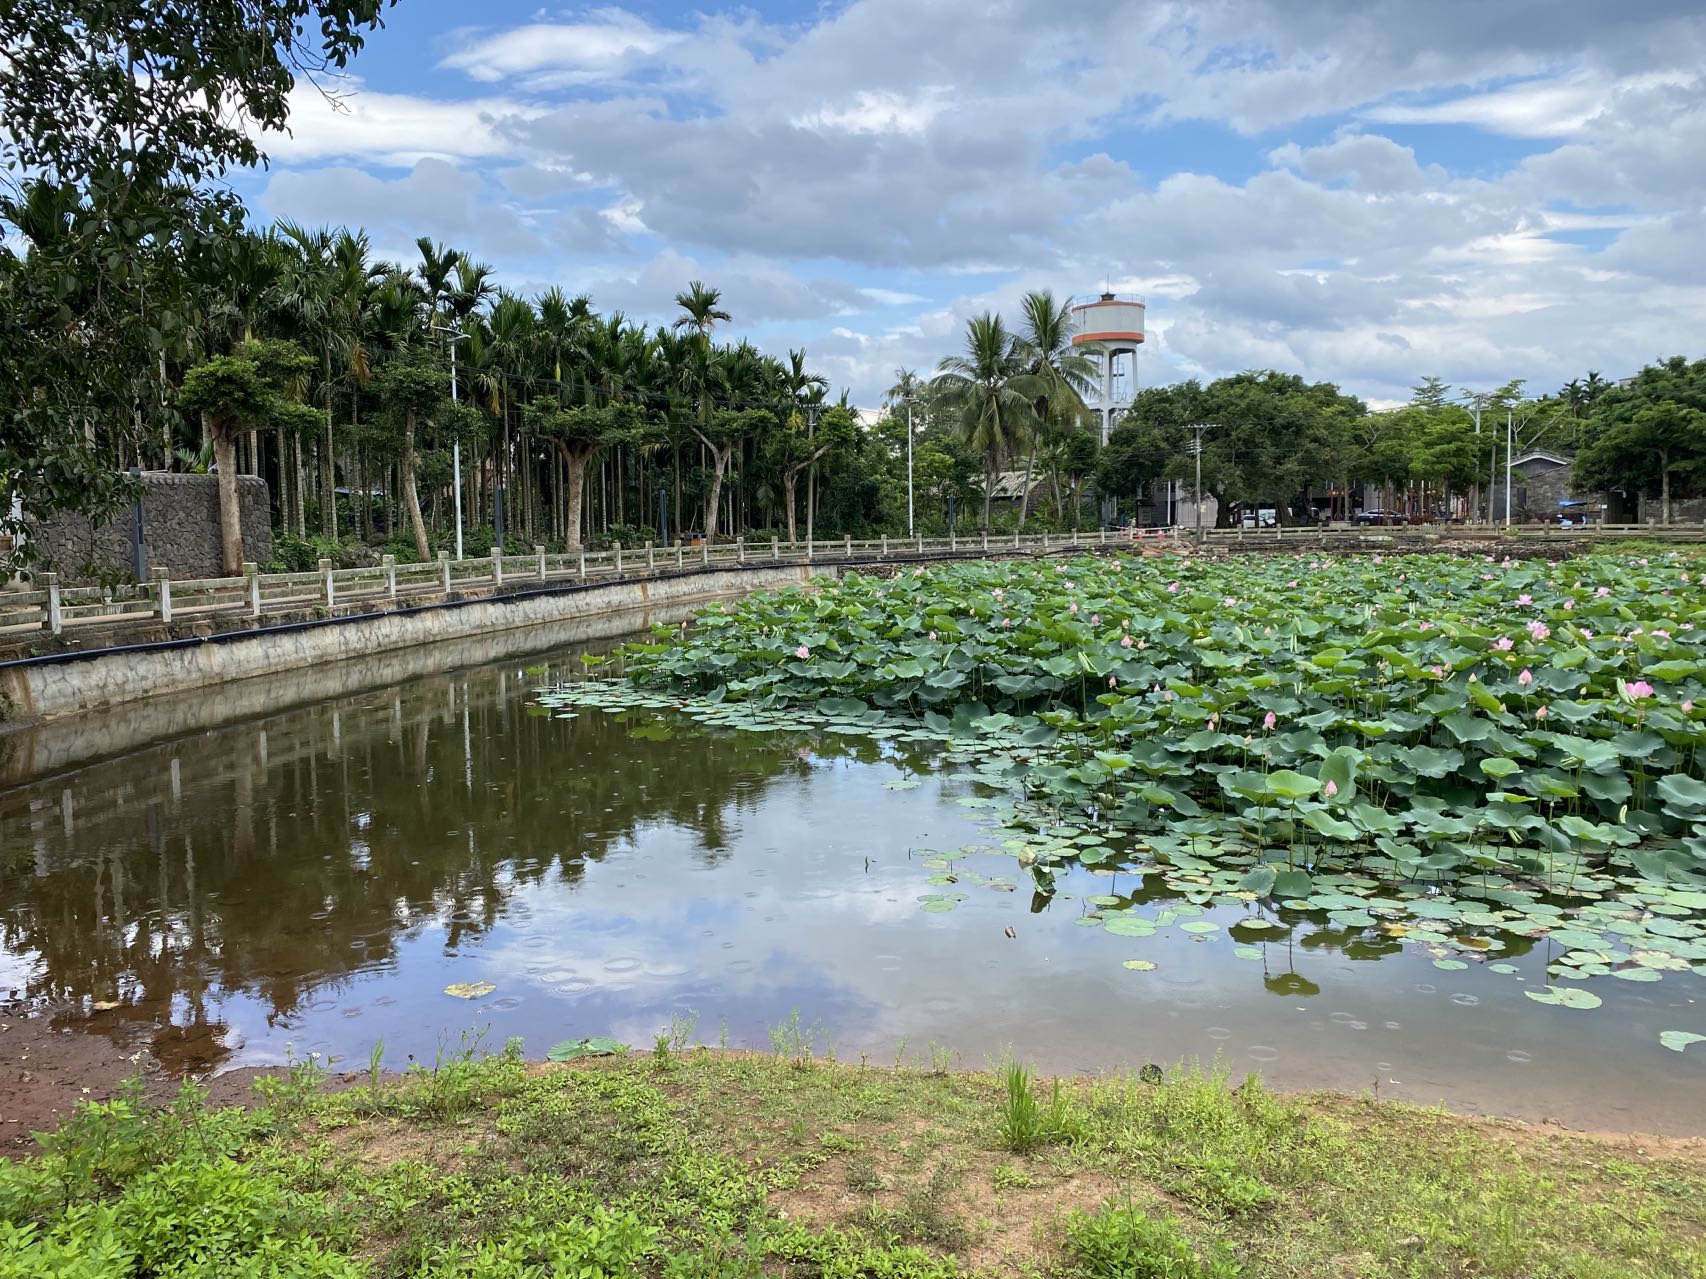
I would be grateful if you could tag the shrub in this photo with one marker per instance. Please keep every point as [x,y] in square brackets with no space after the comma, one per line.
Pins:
[1123,1243]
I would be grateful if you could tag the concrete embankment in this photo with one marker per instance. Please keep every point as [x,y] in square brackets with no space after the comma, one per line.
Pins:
[334,655]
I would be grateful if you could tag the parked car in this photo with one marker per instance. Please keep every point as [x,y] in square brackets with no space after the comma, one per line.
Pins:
[1381,517]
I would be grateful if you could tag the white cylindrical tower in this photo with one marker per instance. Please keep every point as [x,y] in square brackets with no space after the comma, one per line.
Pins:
[1111,325]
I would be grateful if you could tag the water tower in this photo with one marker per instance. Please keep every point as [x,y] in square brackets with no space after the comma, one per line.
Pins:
[1112,325]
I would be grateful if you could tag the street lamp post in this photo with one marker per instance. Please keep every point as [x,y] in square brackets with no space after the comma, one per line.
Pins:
[455,440]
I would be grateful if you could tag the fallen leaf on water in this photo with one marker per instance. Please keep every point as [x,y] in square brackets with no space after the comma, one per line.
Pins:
[1010,932]
[104,1005]
[469,989]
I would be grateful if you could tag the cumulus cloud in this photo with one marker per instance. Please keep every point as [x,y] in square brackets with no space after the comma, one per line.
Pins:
[1290,185]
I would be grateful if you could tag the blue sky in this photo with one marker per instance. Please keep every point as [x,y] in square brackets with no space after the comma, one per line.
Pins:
[1364,191]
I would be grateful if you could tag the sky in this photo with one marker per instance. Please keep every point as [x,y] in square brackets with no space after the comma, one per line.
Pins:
[1359,191]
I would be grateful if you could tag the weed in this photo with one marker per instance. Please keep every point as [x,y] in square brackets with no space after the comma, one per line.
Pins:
[793,1040]
[1025,1122]
[941,1058]
[900,1053]
[681,1028]
[1123,1243]
[1009,1177]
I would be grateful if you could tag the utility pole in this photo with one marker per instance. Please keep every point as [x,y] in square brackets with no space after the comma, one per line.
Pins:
[1196,449]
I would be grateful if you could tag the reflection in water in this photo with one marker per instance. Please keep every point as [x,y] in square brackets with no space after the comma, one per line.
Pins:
[314,879]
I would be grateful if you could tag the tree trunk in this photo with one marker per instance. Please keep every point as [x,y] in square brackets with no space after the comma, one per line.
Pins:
[574,464]
[719,463]
[989,474]
[1664,485]
[411,499]
[1025,496]
[230,514]
[790,478]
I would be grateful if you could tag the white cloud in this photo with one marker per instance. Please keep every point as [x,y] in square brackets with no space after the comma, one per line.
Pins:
[350,120]
[560,54]
[1551,108]
[870,112]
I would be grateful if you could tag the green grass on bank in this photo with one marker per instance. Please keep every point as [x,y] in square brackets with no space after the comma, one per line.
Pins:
[705,1165]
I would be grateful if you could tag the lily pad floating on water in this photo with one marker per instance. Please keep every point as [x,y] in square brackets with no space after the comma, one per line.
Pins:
[469,989]
[1503,968]
[1247,952]
[1139,965]
[1677,1040]
[570,1049]
[1565,997]
[1450,965]
[901,783]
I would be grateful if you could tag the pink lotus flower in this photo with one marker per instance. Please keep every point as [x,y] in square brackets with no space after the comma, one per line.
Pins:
[1268,721]
[1330,789]
[1540,712]
[1688,706]
[802,652]
[1006,621]
[1095,619]
[932,634]
[1229,602]
[1125,641]
[1569,605]
[1526,678]
[1167,696]
[1125,625]
[1426,626]
[1072,607]
[1538,630]
[1112,682]
[1504,644]
[1379,559]
[998,593]
[1172,586]
[1525,599]
[1637,689]
[1291,583]
[1214,720]
[1439,672]
[1586,633]
[1602,592]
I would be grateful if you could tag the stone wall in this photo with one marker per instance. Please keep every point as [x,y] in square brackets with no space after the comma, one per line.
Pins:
[180,527]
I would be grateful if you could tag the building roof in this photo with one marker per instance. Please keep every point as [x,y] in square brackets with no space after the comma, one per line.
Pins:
[1011,484]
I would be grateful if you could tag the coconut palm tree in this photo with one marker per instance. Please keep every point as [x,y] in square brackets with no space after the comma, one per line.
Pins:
[1063,376]
[992,394]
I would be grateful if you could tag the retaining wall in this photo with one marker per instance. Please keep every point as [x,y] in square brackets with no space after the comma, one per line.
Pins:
[48,689]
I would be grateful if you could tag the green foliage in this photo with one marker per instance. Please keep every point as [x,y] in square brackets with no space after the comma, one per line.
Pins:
[1026,1121]
[1124,1243]
[1649,437]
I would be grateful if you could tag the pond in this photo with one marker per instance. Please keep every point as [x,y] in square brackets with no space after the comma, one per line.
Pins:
[312,881]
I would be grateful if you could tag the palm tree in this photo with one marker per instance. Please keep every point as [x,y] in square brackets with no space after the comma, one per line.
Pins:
[702,312]
[307,295]
[989,389]
[1064,374]
[806,390]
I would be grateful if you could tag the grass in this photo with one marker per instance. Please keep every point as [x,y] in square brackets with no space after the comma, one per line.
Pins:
[724,1165]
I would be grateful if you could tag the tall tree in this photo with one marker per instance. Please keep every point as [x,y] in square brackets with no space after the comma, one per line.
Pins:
[255,389]
[128,113]
[1063,375]
[989,392]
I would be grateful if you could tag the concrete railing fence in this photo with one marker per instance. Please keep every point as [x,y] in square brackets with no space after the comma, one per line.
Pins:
[47,606]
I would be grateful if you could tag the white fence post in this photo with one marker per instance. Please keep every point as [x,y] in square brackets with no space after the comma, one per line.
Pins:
[497,566]
[162,592]
[540,552]
[1015,541]
[582,550]
[616,551]
[326,583]
[740,548]
[705,552]
[884,553]
[808,550]
[680,553]
[444,571]
[252,578]
[1045,539]
[389,562]
[775,548]
[847,546]
[921,543]
[986,539]
[650,562]
[53,621]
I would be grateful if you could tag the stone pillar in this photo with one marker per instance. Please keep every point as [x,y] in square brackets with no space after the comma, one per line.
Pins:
[325,567]
[497,566]
[616,553]
[53,621]
[540,552]
[389,564]
[252,579]
[444,571]
[162,592]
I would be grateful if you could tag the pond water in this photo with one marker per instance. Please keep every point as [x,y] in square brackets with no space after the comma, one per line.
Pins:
[311,881]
